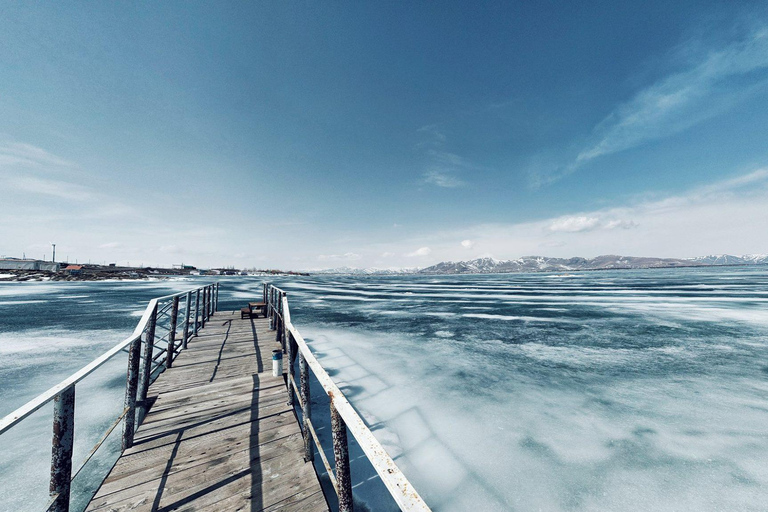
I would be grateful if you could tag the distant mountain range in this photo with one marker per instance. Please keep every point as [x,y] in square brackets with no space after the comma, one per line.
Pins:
[544,264]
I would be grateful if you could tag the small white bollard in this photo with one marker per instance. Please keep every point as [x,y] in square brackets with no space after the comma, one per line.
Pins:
[277,363]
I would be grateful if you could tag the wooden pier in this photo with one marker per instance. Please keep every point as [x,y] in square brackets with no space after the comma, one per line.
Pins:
[207,423]
[220,433]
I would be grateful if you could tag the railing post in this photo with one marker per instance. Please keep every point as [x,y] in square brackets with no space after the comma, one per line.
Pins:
[216,304]
[291,374]
[172,333]
[271,307]
[212,300]
[187,303]
[197,310]
[264,292]
[131,386]
[61,453]
[146,369]
[306,409]
[204,304]
[341,455]
[279,321]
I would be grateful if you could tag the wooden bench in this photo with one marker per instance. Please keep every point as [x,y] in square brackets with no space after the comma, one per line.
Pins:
[258,306]
[248,312]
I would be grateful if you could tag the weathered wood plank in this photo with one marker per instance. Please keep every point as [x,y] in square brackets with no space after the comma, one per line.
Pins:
[220,434]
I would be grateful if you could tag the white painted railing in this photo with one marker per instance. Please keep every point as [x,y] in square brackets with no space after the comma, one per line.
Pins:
[343,415]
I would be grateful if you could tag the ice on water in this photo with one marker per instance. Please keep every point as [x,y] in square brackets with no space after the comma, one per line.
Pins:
[614,390]
[641,390]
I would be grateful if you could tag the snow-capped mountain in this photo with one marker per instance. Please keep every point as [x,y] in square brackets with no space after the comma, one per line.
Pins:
[544,264]
[729,259]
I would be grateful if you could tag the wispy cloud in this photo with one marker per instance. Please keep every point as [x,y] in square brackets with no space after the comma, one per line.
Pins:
[14,153]
[49,187]
[444,167]
[432,136]
[579,223]
[442,178]
[422,251]
[467,244]
[684,99]
[348,256]
[710,84]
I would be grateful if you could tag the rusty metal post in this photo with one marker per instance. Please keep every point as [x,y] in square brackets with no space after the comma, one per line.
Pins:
[172,333]
[284,330]
[279,321]
[197,310]
[146,369]
[205,307]
[290,353]
[306,409]
[271,307]
[341,455]
[131,387]
[187,303]
[61,453]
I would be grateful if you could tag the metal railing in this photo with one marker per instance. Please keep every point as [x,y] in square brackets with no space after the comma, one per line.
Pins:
[143,366]
[343,415]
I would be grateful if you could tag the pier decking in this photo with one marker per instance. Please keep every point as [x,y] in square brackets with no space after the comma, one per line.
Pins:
[220,434]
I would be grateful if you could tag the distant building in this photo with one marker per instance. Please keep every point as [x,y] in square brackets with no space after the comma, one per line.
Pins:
[20,264]
[74,270]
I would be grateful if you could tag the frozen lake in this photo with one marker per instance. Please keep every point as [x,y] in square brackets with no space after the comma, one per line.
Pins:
[610,390]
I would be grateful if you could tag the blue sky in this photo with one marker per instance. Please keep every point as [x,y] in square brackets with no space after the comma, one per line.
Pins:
[313,135]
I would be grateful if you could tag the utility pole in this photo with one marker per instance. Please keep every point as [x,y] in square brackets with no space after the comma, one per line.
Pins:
[54,253]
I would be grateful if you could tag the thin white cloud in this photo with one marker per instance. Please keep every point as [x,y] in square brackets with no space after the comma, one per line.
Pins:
[432,136]
[422,251]
[387,254]
[442,178]
[467,244]
[579,223]
[348,256]
[710,84]
[574,224]
[48,187]
[444,167]
[12,153]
